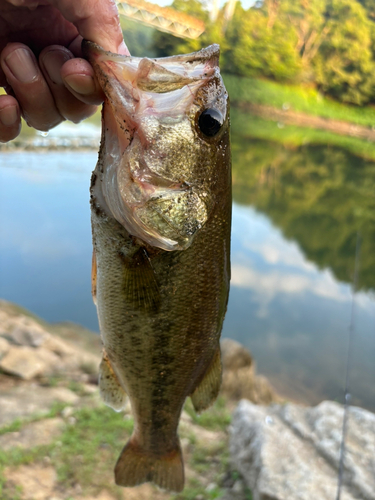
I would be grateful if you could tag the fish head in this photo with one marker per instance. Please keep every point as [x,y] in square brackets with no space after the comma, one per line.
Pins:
[165,125]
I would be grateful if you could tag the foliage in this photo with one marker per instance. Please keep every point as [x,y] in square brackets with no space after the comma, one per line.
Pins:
[245,126]
[319,196]
[261,49]
[167,44]
[216,417]
[96,437]
[305,99]
[330,43]
[344,66]
[89,445]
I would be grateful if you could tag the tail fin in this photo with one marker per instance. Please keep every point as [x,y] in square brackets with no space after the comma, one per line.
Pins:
[136,466]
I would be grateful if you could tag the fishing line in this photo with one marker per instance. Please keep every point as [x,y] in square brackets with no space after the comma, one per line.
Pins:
[347,395]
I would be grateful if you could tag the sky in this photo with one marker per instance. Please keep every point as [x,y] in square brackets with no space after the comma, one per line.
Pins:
[245,3]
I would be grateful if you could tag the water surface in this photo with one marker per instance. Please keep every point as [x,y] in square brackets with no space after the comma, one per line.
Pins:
[296,215]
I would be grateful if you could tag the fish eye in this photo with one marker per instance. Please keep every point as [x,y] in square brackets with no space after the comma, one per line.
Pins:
[210,122]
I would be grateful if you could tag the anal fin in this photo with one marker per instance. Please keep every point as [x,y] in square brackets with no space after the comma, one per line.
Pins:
[137,465]
[208,389]
[111,392]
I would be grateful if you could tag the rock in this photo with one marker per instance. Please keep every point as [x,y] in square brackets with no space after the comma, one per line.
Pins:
[27,332]
[27,400]
[58,346]
[5,320]
[4,347]
[234,355]
[38,433]
[67,412]
[27,362]
[291,452]
[238,487]
[239,376]
[211,487]
[233,487]
[37,482]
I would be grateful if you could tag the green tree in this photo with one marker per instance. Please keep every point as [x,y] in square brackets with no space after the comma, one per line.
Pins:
[343,66]
[369,5]
[308,19]
[262,45]
[319,196]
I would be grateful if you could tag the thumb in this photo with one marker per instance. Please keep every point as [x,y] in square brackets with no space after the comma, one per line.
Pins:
[97,21]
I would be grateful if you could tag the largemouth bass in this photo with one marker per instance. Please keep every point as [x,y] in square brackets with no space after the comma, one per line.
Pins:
[161,215]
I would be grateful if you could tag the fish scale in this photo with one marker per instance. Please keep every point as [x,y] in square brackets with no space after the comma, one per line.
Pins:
[160,279]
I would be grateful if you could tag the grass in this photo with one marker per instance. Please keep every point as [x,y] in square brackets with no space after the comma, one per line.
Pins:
[195,490]
[215,418]
[17,424]
[19,456]
[87,449]
[85,452]
[245,125]
[296,97]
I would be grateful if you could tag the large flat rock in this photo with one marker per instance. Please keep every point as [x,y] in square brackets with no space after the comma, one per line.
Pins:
[4,347]
[288,452]
[27,362]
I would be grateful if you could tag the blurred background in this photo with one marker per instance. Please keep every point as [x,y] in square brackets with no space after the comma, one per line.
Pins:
[301,80]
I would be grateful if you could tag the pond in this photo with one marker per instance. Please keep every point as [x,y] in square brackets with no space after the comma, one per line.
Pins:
[296,216]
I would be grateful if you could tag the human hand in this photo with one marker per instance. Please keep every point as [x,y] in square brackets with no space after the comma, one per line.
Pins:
[41,66]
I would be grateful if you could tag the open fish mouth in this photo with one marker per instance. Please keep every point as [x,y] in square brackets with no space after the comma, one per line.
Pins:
[151,149]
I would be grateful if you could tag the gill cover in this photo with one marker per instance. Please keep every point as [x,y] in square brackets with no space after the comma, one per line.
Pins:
[148,127]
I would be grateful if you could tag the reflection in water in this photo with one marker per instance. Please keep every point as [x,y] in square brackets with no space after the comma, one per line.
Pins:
[294,317]
[294,226]
[318,196]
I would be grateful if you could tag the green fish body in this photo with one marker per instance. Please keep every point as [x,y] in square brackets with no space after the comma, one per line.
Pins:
[161,215]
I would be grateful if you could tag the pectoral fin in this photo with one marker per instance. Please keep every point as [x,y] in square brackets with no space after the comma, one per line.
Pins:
[112,393]
[141,288]
[208,389]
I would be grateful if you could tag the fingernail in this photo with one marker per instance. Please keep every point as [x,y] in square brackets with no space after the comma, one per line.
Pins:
[8,116]
[53,60]
[82,84]
[22,65]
